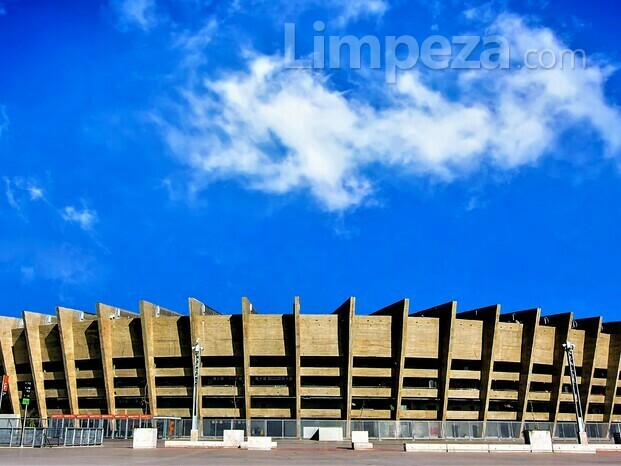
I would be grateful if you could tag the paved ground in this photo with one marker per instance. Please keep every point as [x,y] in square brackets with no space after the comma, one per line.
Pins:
[289,452]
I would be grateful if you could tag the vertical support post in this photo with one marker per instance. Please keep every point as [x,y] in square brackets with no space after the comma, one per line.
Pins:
[105,316]
[298,372]
[351,332]
[147,316]
[402,324]
[562,323]
[66,318]
[530,324]
[196,311]
[196,367]
[246,311]
[32,321]
[593,330]
[7,324]
[613,370]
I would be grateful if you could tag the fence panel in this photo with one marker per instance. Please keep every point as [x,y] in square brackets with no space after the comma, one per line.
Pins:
[502,430]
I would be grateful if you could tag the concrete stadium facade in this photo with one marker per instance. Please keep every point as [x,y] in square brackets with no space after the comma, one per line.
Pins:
[394,364]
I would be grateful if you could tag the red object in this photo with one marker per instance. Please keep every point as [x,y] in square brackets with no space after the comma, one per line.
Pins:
[5,383]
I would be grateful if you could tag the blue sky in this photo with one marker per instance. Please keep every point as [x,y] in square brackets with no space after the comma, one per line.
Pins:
[158,150]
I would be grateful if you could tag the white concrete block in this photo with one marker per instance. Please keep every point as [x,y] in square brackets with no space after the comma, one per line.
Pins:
[260,443]
[195,444]
[539,440]
[330,434]
[467,447]
[509,448]
[426,447]
[360,436]
[233,438]
[574,448]
[309,432]
[145,438]
[606,447]
[363,446]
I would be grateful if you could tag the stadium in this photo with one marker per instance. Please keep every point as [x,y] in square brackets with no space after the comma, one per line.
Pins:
[505,370]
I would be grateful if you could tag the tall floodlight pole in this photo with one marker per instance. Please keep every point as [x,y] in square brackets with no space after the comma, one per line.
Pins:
[196,350]
[569,350]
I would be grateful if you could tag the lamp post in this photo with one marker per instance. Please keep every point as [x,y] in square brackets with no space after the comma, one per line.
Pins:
[196,351]
[569,350]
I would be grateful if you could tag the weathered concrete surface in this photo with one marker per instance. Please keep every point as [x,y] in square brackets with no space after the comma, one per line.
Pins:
[392,364]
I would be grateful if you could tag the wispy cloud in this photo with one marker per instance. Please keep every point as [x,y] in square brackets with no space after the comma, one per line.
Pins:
[353,11]
[141,14]
[343,11]
[64,264]
[85,218]
[4,120]
[281,131]
[18,191]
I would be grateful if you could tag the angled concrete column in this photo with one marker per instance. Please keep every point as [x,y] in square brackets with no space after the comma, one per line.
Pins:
[32,321]
[106,316]
[446,313]
[298,364]
[490,317]
[593,328]
[530,322]
[148,313]
[66,318]
[347,331]
[7,324]
[562,323]
[247,309]
[614,367]
[399,321]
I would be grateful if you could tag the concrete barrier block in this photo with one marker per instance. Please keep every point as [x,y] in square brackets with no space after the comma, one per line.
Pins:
[466,447]
[360,436]
[309,432]
[574,448]
[540,441]
[194,444]
[233,438]
[260,443]
[330,434]
[145,438]
[425,447]
[607,447]
[363,446]
[509,448]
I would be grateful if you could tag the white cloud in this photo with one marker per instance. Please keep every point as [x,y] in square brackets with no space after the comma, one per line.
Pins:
[352,11]
[85,218]
[136,13]
[282,131]
[344,11]
[4,120]
[18,190]
[10,194]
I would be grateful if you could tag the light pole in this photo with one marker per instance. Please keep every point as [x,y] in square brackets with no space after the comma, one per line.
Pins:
[569,350]
[196,351]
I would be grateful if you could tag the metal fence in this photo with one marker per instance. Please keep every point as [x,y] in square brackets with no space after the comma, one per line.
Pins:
[171,428]
[423,430]
[50,437]
[82,437]
[122,428]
